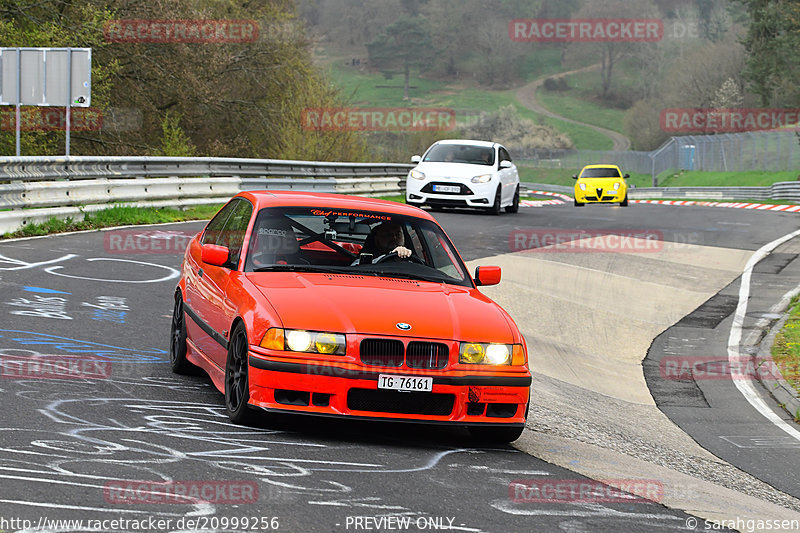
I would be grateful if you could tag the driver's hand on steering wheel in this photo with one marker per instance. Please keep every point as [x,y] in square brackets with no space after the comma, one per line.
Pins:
[402,252]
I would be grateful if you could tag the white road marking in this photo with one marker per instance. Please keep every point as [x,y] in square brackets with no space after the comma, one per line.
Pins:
[745,385]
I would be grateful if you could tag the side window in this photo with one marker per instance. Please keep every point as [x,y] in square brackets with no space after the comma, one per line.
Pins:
[213,231]
[504,155]
[235,228]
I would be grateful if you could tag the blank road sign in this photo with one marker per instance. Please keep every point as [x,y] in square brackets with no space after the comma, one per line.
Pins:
[44,74]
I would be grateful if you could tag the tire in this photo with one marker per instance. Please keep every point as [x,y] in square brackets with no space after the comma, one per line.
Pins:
[578,204]
[624,202]
[237,383]
[514,207]
[177,345]
[495,435]
[495,209]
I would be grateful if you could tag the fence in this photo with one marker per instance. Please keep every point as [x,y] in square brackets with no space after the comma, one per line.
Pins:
[730,152]
[35,189]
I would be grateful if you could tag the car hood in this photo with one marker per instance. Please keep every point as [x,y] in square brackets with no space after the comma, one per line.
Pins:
[453,170]
[374,306]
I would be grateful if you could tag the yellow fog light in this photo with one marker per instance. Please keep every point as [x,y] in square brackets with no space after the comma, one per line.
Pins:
[273,339]
[472,352]
[329,343]
[298,340]
[497,354]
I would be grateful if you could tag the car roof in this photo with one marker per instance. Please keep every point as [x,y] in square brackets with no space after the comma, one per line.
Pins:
[602,166]
[262,199]
[488,144]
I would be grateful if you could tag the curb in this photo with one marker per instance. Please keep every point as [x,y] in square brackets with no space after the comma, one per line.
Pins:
[558,199]
[783,393]
[792,208]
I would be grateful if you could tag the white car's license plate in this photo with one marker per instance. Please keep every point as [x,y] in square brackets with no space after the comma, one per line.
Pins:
[405,383]
[446,188]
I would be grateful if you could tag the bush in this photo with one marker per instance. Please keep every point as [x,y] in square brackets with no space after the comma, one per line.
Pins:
[516,133]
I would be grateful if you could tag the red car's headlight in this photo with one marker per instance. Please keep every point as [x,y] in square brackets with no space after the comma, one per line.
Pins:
[296,340]
[479,353]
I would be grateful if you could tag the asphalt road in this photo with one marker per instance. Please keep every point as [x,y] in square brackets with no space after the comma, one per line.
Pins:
[71,448]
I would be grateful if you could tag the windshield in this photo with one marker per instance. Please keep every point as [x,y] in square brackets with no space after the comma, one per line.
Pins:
[328,240]
[606,172]
[460,153]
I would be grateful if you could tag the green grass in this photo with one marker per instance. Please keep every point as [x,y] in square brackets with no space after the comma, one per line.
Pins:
[361,88]
[567,104]
[116,216]
[695,178]
[786,348]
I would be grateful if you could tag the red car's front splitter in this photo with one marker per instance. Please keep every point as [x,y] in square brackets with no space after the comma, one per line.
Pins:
[334,391]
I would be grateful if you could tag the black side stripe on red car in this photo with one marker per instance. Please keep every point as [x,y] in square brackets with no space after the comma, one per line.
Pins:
[324,370]
[214,334]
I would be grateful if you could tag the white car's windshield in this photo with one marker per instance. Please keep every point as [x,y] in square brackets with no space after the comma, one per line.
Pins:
[460,153]
[333,240]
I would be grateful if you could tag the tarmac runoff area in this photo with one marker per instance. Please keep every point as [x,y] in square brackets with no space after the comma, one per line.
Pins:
[588,320]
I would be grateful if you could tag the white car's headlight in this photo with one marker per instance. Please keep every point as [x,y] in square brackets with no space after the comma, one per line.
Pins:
[582,186]
[417,175]
[483,178]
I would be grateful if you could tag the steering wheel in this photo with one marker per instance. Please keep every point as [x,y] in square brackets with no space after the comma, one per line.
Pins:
[393,255]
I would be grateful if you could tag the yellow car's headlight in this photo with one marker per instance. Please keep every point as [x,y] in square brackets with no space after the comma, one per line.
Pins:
[479,353]
[417,175]
[582,186]
[616,186]
[297,340]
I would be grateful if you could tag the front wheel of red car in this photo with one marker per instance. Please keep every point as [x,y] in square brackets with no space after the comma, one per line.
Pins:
[237,387]
[177,345]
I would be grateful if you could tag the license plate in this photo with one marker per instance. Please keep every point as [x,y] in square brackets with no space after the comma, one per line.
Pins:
[405,383]
[446,188]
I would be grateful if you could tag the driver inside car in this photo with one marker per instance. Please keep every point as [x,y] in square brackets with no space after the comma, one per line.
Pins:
[385,238]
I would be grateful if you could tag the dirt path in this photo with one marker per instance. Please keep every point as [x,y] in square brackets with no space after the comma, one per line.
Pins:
[526,95]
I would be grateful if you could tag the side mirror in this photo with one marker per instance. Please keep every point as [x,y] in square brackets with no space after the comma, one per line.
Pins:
[626,176]
[574,176]
[487,275]
[505,163]
[215,255]
[416,159]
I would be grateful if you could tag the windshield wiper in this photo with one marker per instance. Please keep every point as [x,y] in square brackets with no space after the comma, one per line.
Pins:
[297,268]
[407,275]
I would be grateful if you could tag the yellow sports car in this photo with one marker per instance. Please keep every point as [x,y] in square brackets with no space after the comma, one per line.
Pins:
[601,184]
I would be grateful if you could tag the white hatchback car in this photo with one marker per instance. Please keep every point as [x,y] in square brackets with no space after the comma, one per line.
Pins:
[463,173]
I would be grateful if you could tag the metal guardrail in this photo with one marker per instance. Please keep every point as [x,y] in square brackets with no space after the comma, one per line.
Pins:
[35,189]
[784,190]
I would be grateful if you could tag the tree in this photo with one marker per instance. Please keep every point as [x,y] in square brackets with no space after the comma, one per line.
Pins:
[402,45]
[772,41]
[610,53]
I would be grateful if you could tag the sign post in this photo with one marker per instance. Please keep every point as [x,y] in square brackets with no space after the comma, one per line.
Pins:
[46,77]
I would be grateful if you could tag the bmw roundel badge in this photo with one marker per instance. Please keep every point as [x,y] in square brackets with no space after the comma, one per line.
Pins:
[403,326]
